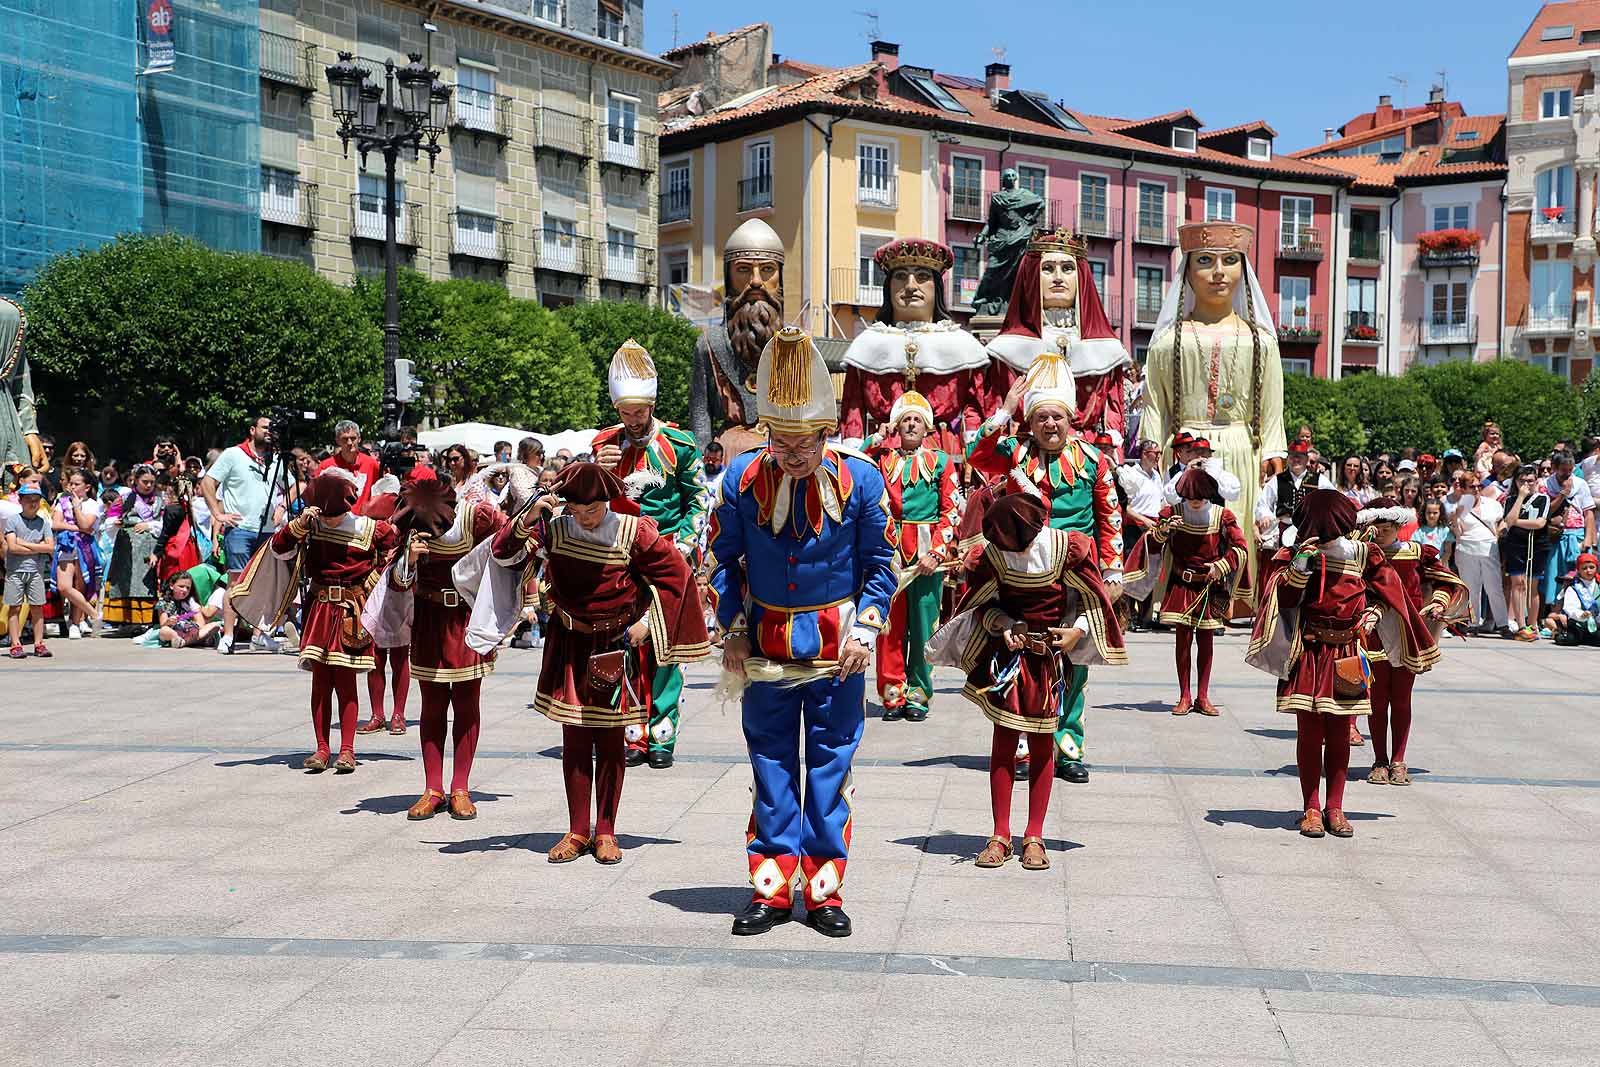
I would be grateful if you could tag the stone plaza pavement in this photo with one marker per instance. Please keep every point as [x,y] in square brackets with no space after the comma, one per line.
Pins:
[174,890]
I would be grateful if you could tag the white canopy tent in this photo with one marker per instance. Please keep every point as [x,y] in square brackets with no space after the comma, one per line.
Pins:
[481,436]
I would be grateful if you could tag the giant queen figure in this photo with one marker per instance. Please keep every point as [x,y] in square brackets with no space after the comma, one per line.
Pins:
[1213,368]
[722,393]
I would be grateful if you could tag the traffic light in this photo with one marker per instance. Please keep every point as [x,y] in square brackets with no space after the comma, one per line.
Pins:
[407,386]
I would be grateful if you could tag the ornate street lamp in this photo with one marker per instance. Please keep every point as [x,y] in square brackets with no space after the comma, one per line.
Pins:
[404,114]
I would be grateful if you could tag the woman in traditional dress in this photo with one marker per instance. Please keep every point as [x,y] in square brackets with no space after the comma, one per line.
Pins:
[1035,604]
[1322,597]
[623,599]
[1439,596]
[437,531]
[1201,572]
[131,586]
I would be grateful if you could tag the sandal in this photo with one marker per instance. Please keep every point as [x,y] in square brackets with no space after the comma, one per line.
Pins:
[995,853]
[1183,707]
[1356,740]
[346,763]
[461,805]
[1205,707]
[569,848]
[18,652]
[372,725]
[397,726]
[317,761]
[1338,825]
[1379,775]
[427,806]
[1398,774]
[1311,823]
[41,652]
[606,849]
[1034,856]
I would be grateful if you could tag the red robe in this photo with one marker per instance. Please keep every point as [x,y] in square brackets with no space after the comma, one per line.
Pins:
[439,651]
[1188,595]
[342,564]
[1426,580]
[956,397]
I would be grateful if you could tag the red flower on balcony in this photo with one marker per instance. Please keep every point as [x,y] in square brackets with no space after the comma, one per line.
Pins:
[1449,240]
[1362,333]
[1553,214]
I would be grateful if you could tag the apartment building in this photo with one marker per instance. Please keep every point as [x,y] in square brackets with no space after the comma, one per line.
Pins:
[547,182]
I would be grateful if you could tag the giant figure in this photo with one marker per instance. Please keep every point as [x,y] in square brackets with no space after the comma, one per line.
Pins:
[722,393]
[19,426]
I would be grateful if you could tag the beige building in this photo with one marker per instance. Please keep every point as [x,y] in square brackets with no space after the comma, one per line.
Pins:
[547,178]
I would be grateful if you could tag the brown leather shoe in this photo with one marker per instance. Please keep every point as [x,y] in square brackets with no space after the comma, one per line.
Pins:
[397,725]
[317,762]
[1034,856]
[1356,740]
[1398,774]
[569,848]
[995,853]
[1379,775]
[427,806]
[346,763]
[1311,823]
[606,850]
[1338,825]
[1205,707]
[373,725]
[461,805]
[1183,707]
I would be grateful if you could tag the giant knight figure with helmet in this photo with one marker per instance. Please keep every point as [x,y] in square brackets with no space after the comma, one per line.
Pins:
[1055,307]
[722,393]
[912,347]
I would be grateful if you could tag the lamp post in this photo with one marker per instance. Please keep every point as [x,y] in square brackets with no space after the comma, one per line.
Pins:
[408,112]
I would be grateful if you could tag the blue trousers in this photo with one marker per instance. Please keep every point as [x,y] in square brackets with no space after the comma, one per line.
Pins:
[788,833]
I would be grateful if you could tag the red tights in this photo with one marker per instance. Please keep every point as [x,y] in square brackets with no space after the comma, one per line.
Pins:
[1391,708]
[1203,638]
[327,681]
[399,658]
[437,698]
[593,758]
[1002,779]
[1322,747]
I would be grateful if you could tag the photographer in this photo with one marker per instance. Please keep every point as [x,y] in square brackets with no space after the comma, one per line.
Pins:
[349,457]
[239,490]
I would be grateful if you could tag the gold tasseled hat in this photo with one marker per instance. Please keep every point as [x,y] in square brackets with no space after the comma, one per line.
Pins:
[794,392]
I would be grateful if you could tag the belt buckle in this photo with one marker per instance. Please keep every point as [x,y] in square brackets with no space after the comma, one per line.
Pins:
[450,598]
[1186,574]
[335,594]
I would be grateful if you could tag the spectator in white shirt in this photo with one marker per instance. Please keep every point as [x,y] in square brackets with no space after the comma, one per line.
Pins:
[1572,505]
[1143,486]
[1590,467]
[1275,506]
[1475,518]
[1573,622]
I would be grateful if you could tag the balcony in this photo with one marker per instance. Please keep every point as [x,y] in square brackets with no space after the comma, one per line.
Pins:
[878,191]
[674,205]
[1301,330]
[967,204]
[755,193]
[1099,223]
[1366,250]
[563,133]
[1156,230]
[628,148]
[480,237]
[1447,329]
[1303,244]
[1145,313]
[629,264]
[288,62]
[1363,328]
[1547,320]
[1443,249]
[290,203]
[1111,300]
[480,113]
[1553,225]
[847,286]
[367,221]
[562,252]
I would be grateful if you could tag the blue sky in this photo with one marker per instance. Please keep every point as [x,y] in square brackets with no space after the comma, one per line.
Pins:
[1229,62]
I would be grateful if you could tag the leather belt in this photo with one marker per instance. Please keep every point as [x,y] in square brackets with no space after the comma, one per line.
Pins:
[1190,577]
[446,597]
[1326,635]
[612,625]
[334,594]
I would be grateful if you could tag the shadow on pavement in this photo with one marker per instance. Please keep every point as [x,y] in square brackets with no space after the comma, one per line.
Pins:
[1275,734]
[961,760]
[965,847]
[1155,707]
[1278,820]
[539,842]
[396,805]
[705,899]
[293,760]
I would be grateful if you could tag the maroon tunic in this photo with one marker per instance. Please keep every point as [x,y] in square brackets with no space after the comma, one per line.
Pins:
[342,563]
[1426,581]
[439,651]
[1190,597]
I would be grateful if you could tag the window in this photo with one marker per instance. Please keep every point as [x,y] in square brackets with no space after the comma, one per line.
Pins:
[558,245]
[875,172]
[1364,239]
[1139,353]
[1032,179]
[1097,270]
[1294,302]
[1555,104]
[1150,283]
[1550,292]
[1556,33]
[1152,212]
[1449,302]
[964,274]
[622,255]
[966,188]
[1452,217]
[923,82]
[1590,37]
[1219,205]
[869,279]
[755,190]
[1362,296]
[610,23]
[1183,139]
[677,267]
[1093,212]
[548,10]
[369,208]
[622,119]
[280,196]
[676,196]
[1467,135]
[475,235]
[1553,194]
[475,98]
[1259,148]
[1294,225]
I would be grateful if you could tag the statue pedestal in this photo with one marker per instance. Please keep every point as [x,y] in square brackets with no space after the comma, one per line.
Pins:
[985,327]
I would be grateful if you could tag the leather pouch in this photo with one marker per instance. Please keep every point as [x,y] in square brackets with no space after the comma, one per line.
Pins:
[605,673]
[1350,677]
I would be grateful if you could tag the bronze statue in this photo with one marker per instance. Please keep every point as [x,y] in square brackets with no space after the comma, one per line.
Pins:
[1014,214]
[722,391]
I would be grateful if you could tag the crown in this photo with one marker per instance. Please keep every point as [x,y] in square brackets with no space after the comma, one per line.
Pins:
[913,252]
[1058,240]
[1215,236]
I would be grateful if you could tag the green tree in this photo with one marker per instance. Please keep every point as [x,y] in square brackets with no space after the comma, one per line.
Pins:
[1336,429]
[1533,407]
[603,327]
[150,334]
[486,357]
[1396,412]
[1589,401]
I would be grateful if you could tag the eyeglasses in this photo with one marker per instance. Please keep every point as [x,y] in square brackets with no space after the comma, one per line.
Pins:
[795,453]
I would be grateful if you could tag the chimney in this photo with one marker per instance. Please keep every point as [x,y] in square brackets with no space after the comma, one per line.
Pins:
[1327,134]
[997,77]
[887,53]
[1384,114]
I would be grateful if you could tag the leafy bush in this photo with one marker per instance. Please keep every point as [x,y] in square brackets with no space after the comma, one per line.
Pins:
[1322,405]
[603,327]
[1396,412]
[1533,407]
[151,334]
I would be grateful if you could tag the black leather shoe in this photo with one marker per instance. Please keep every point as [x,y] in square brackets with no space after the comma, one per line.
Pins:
[660,760]
[895,713]
[758,918]
[1073,772]
[829,921]
[916,714]
[636,756]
